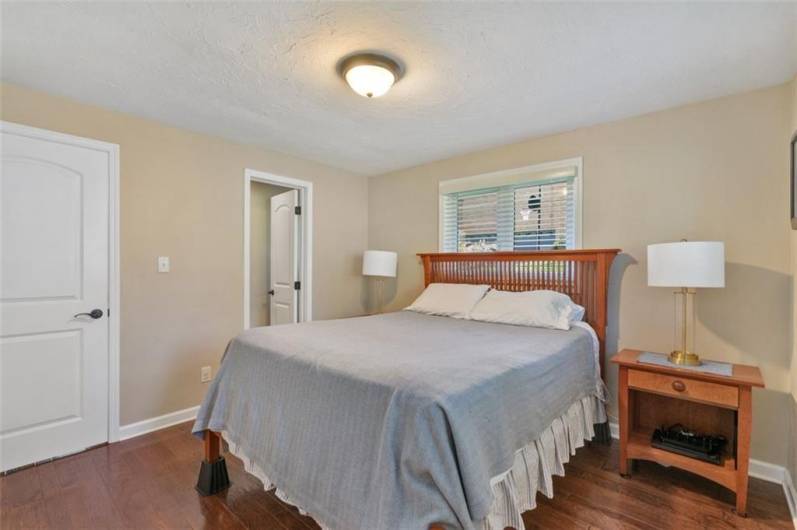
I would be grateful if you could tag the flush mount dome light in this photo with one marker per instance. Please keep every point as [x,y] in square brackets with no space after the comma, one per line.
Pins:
[369,74]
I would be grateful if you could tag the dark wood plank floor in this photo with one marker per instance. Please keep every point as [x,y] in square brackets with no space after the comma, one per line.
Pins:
[148,482]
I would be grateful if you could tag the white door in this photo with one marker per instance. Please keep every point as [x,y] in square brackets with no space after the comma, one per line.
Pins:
[54,200]
[284,258]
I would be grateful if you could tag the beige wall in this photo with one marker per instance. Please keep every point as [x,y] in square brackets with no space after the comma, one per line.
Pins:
[713,170]
[182,196]
[260,251]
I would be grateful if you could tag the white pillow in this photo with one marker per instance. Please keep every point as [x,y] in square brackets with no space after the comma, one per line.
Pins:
[542,309]
[578,313]
[449,299]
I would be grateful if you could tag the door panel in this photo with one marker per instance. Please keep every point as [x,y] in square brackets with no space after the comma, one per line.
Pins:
[284,258]
[33,362]
[54,198]
[29,271]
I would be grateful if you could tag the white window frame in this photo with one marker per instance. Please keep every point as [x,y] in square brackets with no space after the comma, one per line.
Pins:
[498,178]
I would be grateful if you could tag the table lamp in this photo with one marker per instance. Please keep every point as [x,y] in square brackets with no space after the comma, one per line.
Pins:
[687,265]
[380,264]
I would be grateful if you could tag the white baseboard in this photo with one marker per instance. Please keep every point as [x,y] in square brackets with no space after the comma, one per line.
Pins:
[791,497]
[614,430]
[766,471]
[138,428]
[758,469]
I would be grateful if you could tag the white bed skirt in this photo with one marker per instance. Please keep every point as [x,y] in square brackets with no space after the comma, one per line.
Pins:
[535,464]
[515,490]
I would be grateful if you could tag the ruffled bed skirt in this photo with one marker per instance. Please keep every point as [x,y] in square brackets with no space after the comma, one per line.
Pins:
[535,464]
[515,490]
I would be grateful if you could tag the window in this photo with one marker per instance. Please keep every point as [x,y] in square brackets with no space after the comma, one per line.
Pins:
[528,210]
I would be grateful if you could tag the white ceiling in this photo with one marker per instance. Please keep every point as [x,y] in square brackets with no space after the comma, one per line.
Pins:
[477,74]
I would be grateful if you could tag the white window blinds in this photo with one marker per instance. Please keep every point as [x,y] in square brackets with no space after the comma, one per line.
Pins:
[537,215]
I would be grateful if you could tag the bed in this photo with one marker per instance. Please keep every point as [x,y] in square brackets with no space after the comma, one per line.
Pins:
[407,420]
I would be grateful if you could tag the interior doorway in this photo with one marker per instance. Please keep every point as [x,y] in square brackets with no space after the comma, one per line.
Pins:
[277,249]
[260,227]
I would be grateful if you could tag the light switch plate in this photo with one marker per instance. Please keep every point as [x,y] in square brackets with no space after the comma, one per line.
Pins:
[163,264]
[204,374]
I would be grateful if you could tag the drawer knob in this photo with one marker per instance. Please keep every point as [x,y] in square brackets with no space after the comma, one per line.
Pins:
[678,386]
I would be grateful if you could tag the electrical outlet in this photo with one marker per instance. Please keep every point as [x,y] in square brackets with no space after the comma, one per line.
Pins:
[205,374]
[163,264]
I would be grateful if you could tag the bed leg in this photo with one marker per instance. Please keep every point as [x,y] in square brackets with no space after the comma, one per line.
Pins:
[213,476]
[603,434]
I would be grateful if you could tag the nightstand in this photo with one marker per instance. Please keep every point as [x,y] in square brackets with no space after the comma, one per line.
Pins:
[651,396]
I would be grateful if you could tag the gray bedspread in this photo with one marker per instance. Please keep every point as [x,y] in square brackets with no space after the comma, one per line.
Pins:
[398,420]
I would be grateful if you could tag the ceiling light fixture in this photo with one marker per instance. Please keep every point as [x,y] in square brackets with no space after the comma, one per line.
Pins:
[369,74]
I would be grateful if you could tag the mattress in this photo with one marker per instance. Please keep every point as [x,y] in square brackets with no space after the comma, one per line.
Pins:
[401,420]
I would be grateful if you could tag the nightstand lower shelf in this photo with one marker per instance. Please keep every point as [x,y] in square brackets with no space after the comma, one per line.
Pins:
[639,448]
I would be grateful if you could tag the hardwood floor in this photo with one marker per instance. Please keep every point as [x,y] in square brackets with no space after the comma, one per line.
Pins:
[148,482]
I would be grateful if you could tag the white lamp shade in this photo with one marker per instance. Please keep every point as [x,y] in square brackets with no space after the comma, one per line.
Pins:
[379,263]
[687,264]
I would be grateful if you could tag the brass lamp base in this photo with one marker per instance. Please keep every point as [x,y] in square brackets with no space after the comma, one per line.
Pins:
[685,358]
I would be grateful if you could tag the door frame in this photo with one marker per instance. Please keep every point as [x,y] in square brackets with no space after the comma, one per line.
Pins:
[112,150]
[305,189]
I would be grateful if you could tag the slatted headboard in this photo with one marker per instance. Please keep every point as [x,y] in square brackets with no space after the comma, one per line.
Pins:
[583,275]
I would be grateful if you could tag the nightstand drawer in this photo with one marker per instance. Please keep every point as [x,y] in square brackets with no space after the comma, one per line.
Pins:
[683,387]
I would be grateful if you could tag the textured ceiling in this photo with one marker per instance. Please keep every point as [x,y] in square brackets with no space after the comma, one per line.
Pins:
[477,74]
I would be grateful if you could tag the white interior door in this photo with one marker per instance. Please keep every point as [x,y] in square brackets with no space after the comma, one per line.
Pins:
[284,308]
[54,382]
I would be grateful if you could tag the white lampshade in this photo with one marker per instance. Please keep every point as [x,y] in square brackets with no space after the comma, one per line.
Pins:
[379,263]
[687,264]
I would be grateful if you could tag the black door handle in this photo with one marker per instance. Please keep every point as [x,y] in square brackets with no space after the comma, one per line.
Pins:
[95,314]
[271,292]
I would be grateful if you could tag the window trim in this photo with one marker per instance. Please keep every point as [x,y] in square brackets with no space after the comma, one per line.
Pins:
[496,178]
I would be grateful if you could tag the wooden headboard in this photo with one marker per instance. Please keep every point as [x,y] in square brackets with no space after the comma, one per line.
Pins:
[583,275]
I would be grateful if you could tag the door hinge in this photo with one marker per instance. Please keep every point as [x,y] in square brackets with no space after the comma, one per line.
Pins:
[109,311]
[297,285]
[297,210]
